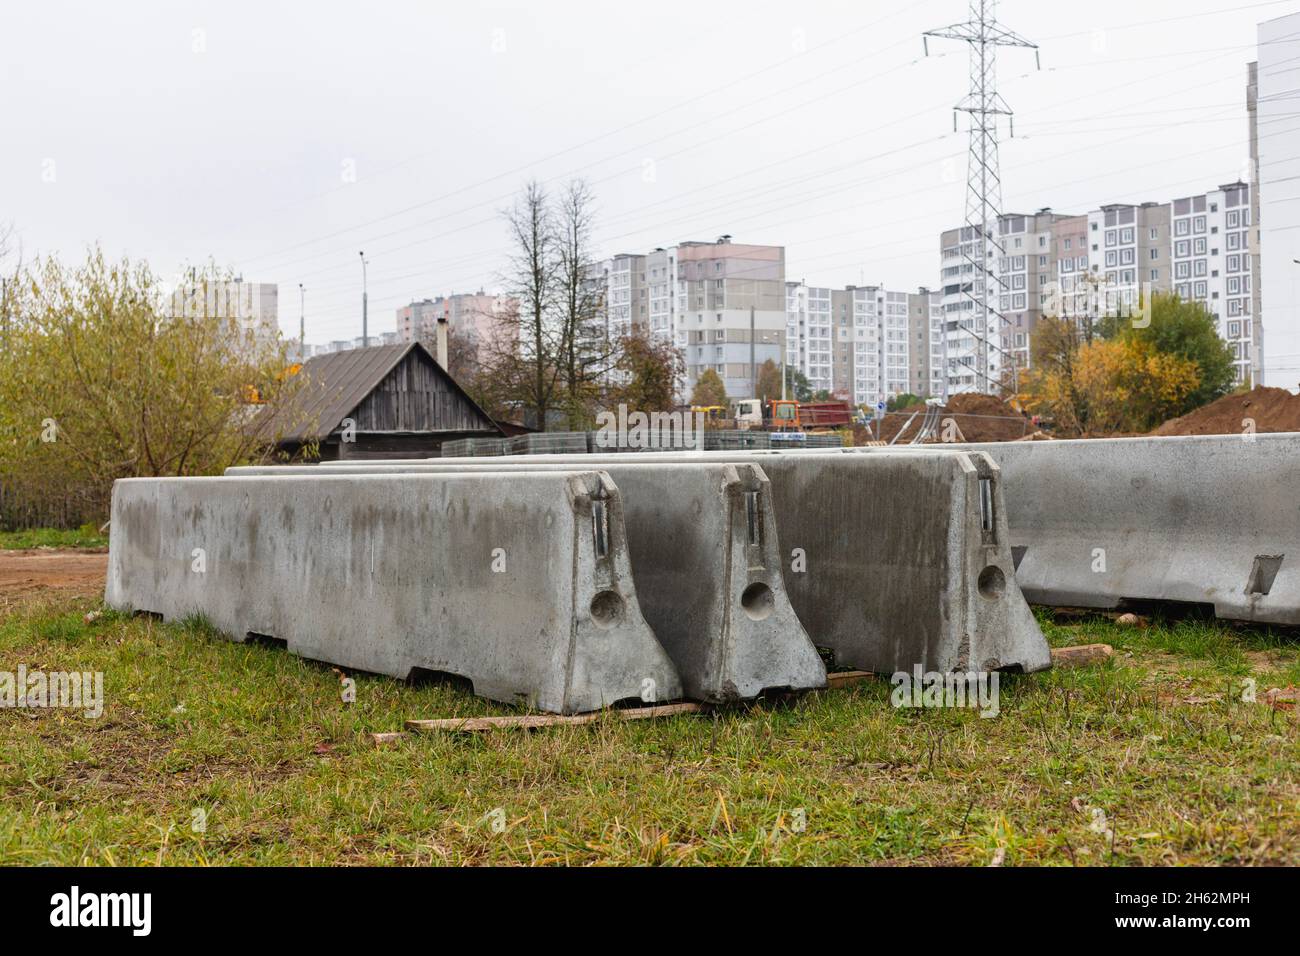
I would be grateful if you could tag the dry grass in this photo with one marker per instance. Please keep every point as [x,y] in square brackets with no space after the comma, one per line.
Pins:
[1153,758]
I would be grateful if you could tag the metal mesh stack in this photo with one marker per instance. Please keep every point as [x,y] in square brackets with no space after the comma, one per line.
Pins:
[473,447]
[548,443]
[726,440]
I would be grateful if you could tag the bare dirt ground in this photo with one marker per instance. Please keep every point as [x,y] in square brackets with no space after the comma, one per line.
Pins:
[31,573]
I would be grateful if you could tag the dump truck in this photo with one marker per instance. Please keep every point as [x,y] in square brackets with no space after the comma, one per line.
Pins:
[781,415]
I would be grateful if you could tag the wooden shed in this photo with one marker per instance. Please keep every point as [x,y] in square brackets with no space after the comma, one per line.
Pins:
[389,401]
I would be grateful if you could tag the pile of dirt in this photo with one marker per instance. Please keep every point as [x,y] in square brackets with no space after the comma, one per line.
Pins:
[1271,410]
[977,417]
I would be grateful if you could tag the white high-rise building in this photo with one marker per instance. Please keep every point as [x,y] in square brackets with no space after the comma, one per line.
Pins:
[972,341]
[809,334]
[1276,146]
[1212,263]
[865,344]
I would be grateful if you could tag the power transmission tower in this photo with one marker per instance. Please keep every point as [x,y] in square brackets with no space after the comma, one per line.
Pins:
[983,179]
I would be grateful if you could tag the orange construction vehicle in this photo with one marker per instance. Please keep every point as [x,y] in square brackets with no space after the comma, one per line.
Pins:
[782,414]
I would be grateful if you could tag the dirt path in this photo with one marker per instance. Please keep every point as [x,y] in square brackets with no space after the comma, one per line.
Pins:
[27,573]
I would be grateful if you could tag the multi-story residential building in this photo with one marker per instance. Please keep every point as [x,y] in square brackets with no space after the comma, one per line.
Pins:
[1025,271]
[419,319]
[925,349]
[865,344]
[478,318]
[1213,265]
[253,305]
[809,334]
[703,297]
[660,282]
[731,309]
[1071,297]
[984,353]
[1278,145]
[1128,254]
[972,341]
[620,283]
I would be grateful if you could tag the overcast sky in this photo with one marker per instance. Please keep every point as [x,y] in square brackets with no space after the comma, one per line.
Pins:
[281,139]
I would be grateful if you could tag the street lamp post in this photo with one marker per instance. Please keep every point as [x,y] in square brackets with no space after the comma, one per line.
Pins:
[365,305]
[302,323]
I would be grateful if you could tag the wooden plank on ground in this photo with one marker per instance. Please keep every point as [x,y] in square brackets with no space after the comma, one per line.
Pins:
[836,680]
[531,721]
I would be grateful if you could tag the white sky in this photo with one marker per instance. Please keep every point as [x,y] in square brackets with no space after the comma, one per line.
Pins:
[815,125]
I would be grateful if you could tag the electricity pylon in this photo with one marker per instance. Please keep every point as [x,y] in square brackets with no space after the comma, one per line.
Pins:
[983,180]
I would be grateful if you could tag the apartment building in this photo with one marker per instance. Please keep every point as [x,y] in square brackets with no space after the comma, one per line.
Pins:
[661,296]
[985,353]
[1025,271]
[1213,265]
[810,335]
[730,310]
[925,349]
[1129,254]
[865,344]
[1277,146]
[1070,298]
[478,318]
[620,282]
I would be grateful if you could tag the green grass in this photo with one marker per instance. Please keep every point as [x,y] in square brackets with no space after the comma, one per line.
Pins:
[87,536]
[1158,740]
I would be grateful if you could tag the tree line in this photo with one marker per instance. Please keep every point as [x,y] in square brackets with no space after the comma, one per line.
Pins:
[1126,373]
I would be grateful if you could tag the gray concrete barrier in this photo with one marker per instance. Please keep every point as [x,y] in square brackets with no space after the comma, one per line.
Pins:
[521,584]
[707,565]
[1207,519]
[893,559]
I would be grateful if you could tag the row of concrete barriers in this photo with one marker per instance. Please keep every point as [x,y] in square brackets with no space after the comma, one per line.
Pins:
[574,582]
[1178,520]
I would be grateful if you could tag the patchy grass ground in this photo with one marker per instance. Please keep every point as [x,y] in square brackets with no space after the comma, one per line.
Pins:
[1153,758]
[87,536]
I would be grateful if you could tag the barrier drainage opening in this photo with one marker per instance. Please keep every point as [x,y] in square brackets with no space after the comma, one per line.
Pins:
[992,582]
[607,608]
[757,601]
[1262,572]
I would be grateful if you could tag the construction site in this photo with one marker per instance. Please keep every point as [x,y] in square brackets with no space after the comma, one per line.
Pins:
[463,439]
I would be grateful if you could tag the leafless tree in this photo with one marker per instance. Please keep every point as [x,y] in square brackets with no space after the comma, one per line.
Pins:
[585,352]
[530,361]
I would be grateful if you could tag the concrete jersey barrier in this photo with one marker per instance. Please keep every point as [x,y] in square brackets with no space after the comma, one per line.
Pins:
[707,565]
[1205,519]
[519,583]
[891,559]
